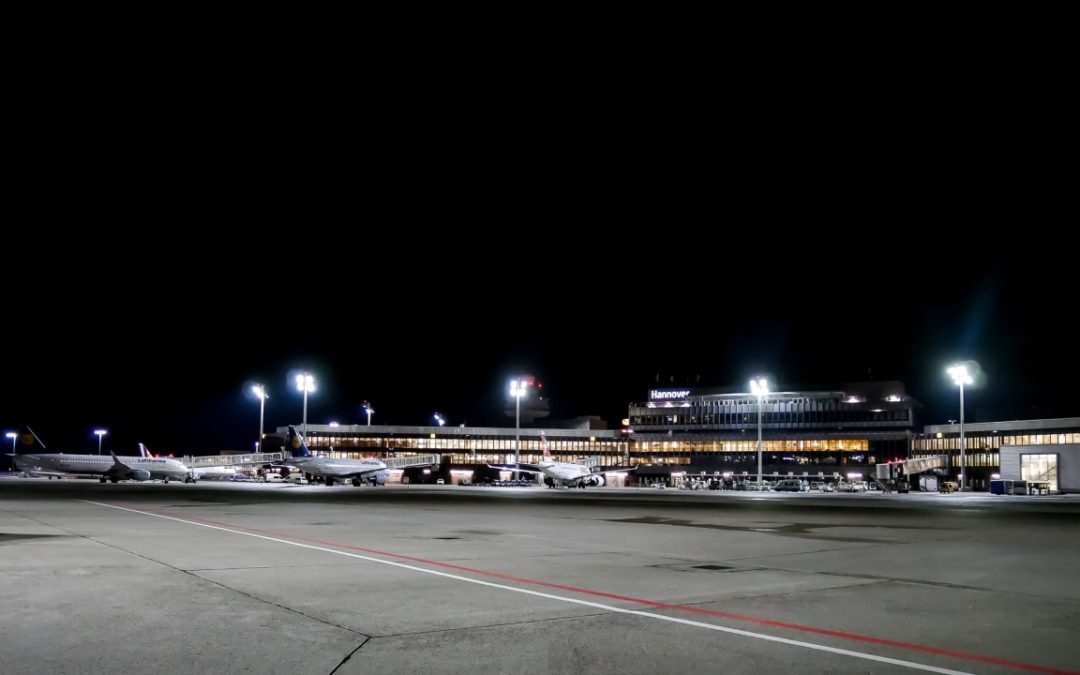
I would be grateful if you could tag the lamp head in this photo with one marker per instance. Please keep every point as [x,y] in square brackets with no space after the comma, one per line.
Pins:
[518,388]
[960,374]
[759,386]
[305,382]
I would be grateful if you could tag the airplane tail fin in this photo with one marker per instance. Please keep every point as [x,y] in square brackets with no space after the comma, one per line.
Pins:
[27,442]
[143,452]
[545,446]
[297,447]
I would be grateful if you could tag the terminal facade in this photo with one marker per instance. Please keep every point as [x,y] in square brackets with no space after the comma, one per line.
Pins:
[1031,450]
[834,431]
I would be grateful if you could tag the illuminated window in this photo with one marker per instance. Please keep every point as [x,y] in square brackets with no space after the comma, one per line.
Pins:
[1040,468]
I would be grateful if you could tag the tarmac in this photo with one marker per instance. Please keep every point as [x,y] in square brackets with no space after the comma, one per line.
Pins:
[237,578]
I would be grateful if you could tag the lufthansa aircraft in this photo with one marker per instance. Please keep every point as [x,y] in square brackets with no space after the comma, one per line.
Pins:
[331,469]
[195,474]
[109,468]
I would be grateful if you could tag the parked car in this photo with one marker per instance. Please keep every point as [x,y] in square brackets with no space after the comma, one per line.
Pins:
[790,485]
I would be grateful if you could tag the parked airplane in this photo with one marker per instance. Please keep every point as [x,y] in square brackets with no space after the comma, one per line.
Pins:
[330,469]
[109,468]
[570,474]
[195,474]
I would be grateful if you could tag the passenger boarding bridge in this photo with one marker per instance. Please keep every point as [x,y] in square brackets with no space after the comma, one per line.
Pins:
[258,459]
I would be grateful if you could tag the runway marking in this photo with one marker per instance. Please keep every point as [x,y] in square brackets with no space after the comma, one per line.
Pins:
[319,545]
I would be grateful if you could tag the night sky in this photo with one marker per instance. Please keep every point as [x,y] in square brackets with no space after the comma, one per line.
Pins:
[162,348]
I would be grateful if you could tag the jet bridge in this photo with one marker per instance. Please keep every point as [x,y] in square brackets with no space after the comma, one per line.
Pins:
[414,460]
[895,475]
[259,459]
[232,460]
[921,464]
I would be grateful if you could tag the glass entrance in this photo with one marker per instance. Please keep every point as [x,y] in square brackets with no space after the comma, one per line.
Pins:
[1040,469]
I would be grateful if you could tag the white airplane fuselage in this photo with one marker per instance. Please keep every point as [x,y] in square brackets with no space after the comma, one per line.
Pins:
[563,471]
[155,468]
[570,474]
[371,470]
[213,472]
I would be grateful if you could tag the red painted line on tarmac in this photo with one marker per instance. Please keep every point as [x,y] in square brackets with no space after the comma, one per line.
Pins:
[641,601]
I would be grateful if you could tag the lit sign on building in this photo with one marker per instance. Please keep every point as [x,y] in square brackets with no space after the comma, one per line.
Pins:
[661,393]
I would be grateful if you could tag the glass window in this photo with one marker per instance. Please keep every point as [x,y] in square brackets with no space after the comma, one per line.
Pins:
[1040,468]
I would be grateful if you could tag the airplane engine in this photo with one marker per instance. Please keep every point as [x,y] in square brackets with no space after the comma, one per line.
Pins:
[594,481]
[140,474]
[379,477]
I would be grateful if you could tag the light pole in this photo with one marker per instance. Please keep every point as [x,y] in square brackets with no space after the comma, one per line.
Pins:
[960,376]
[12,435]
[370,411]
[100,434]
[517,390]
[305,383]
[260,391]
[759,387]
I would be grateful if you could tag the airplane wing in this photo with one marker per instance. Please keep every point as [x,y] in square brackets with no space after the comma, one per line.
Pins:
[520,468]
[119,468]
[617,469]
[122,470]
[35,471]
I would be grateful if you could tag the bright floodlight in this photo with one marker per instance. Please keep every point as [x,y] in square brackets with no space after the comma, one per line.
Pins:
[439,419]
[260,392]
[334,424]
[11,434]
[759,386]
[305,383]
[100,432]
[961,377]
[960,374]
[518,388]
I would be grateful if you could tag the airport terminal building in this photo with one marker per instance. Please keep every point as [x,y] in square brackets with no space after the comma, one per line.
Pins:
[832,432]
[1031,450]
[813,431]
[466,451]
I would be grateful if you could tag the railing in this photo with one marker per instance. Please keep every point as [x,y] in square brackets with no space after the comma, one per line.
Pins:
[232,460]
[415,460]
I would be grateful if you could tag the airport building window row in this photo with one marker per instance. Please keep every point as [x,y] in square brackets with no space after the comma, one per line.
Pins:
[843,429]
[987,443]
[465,445]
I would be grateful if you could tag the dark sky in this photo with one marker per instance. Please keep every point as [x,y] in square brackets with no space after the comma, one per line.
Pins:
[159,348]
[419,266]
